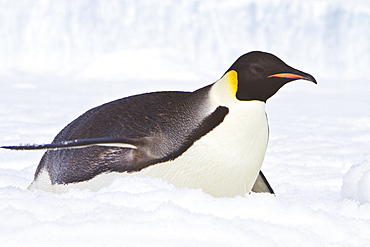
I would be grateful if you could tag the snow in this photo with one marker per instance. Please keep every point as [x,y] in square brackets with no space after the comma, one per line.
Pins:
[356,183]
[61,58]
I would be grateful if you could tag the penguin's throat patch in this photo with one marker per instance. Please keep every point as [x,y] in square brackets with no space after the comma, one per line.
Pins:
[232,79]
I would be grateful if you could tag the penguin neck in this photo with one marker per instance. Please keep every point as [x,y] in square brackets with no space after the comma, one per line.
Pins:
[223,92]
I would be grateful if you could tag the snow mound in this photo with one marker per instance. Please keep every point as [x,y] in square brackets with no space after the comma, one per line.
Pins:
[356,182]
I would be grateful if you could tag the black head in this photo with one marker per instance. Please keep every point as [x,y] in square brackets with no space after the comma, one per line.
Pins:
[261,75]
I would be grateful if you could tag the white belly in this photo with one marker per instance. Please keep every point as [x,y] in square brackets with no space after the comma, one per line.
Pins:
[226,161]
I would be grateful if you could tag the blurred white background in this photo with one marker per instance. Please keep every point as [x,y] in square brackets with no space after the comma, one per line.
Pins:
[104,38]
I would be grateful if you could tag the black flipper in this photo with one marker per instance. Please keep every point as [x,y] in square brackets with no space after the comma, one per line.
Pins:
[262,185]
[104,141]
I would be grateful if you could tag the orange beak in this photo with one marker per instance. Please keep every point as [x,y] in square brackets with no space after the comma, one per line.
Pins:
[287,75]
[297,76]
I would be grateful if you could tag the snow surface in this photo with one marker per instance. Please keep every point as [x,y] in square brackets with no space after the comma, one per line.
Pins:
[61,58]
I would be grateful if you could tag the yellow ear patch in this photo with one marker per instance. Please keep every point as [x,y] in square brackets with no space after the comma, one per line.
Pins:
[232,80]
[224,90]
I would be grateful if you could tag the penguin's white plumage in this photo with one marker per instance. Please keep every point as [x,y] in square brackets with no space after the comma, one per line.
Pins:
[214,138]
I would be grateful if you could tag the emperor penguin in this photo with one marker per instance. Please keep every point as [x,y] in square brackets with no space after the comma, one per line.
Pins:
[214,138]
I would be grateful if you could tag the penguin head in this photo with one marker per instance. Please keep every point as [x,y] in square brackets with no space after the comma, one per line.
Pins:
[260,75]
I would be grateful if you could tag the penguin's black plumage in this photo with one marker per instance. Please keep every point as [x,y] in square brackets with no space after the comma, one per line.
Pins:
[214,138]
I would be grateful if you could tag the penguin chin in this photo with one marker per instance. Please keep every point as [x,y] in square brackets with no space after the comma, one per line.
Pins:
[259,91]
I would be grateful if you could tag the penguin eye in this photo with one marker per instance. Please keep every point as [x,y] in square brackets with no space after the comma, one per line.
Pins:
[257,69]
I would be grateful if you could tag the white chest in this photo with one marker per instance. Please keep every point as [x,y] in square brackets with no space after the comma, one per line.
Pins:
[226,161]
